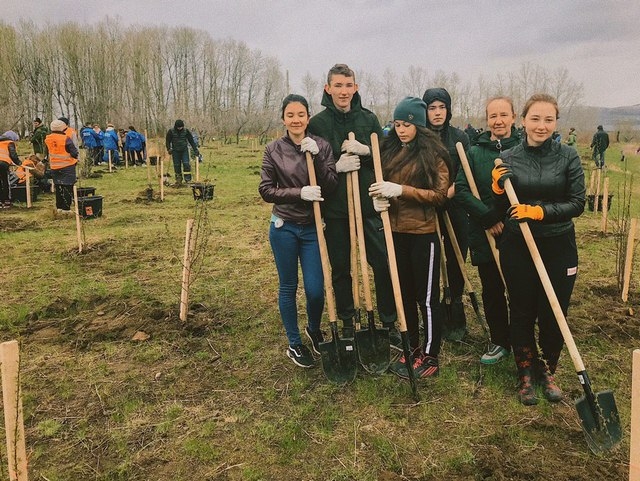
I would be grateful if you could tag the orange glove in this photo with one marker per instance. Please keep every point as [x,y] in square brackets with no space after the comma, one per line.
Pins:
[498,175]
[524,212]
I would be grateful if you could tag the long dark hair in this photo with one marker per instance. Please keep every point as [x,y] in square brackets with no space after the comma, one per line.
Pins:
[424,150]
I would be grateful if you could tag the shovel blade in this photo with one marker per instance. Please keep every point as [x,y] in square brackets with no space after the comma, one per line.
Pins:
[601,428]
[339,359]
[373,349]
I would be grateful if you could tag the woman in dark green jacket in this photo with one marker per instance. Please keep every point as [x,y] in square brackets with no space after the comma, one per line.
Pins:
[483,216]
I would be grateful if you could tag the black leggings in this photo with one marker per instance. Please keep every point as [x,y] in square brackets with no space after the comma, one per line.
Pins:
[5,192]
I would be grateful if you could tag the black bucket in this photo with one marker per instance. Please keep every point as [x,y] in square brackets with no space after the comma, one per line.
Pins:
[591,199]
[90,207]
[202,191]
[19,193]
[85,191]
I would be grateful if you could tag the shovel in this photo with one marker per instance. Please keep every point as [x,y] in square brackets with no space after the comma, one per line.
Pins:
[445,283]
[338,356]
[393,270]
[372,342]
[597,411]
[463,271]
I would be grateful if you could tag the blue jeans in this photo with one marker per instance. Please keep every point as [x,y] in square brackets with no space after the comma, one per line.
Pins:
[180,162]
[289,243]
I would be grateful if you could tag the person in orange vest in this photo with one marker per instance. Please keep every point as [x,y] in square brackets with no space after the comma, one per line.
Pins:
[63,157]
[8,156]
[37,168]
[70,131]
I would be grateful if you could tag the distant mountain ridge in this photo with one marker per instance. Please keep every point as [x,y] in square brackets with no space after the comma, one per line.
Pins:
[614,118]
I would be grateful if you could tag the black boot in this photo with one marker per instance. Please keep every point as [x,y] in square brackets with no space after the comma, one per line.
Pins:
[546,380]
[526,359]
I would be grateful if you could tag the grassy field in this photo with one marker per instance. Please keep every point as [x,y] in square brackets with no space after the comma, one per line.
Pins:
[215,398]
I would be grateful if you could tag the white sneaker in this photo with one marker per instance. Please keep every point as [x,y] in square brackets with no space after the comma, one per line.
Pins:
[494,354]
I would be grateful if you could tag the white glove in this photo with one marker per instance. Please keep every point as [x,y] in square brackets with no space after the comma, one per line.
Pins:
[385,189]
[309,145]
[348,163]
[380,204]
[355,147]
[311,193]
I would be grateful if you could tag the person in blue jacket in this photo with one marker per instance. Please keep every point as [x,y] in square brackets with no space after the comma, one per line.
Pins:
[134,143]
[110,144]
[92,142]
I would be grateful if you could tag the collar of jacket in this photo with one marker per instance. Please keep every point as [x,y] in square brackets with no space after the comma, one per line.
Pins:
[540,149]
[327,101]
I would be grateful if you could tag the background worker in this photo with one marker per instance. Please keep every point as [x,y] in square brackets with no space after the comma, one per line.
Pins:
[599,144]
[40,131]
[344,113]
[439,115]
[63,157]
[8,156]
[177,142]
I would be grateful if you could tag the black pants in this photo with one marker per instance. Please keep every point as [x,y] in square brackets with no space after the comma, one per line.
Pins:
[528,302]
[5,192]
[418,259]
[460,223]
[494,303]
[339,247]
[64,196]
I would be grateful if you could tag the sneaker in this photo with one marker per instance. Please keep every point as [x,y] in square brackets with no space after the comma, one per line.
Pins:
[426,366]
[399,367]
[300,355]
[395,339]
[315,337]
[494,354]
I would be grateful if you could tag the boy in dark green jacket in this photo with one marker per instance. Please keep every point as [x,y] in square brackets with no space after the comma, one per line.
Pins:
[344,113]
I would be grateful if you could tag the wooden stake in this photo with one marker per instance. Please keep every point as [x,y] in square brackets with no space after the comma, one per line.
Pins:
[110,164]
[186,271]
[161,162]
[628,261]
[596,199]
[27,177]
[605,204]
[197,169]
[13,418]
[592,181]
[78,222]
[634,445]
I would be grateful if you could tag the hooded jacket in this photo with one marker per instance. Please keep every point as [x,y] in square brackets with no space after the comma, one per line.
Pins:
[37,138]
[449,135]
[178,140]
[550,176]
[482,213]
[334,126]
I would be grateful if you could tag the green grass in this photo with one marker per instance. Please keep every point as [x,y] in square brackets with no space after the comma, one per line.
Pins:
[216,398]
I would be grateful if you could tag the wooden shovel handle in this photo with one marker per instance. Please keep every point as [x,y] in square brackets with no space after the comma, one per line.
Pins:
[388,237]
[546,282]
[353,246]
[322,244]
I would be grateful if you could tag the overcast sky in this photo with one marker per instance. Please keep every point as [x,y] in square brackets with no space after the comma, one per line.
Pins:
[597,41]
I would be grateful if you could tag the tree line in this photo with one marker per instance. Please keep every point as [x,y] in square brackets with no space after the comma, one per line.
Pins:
[149,76]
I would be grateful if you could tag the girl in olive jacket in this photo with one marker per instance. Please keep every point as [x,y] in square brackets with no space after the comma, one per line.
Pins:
[549,181]
[418,171]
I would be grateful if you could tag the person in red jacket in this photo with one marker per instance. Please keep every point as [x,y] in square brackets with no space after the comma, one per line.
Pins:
[8,156]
